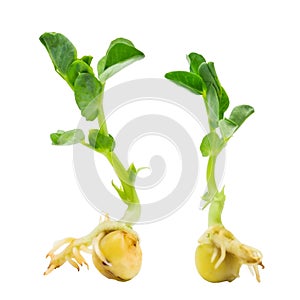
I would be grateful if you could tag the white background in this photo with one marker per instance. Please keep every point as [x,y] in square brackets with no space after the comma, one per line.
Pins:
[255,47]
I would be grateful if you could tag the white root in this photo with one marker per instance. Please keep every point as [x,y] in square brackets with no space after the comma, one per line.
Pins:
[71,253]
[86,249]
[59,244]
[97,250]
[225,242]
[256,273]
[49,270]
[251,270]
[214,255]
[72,263]
[222,257]
[79,258]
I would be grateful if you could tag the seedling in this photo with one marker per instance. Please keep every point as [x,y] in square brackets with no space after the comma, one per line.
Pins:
[114,245]
[219,255]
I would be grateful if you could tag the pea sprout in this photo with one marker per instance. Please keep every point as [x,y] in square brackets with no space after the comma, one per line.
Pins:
[114,245]
[219,254]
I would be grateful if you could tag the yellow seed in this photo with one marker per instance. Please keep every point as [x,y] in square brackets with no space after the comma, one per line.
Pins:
[211,268]
[121,255]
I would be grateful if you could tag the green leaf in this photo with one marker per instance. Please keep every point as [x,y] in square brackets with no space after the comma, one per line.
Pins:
[120,54]
[222,95]
[132,171]
[88,94]
[211,67]
[55,136]
[195,60]
[208,75]
[61,51]
[101,142]
[120,41]
[101,66]
[212,104]
[211,144]
[207,198]
[87,59]
[240,113]
[228,128]
[120,191]
[77,67]
[188,80]
[121,50]
[70,137]
[223,103]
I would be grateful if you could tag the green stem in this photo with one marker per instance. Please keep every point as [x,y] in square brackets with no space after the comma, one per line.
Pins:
[217,198]
[210,176]
[117,166]
[133,211]
[215,212]
[101,116]
[214,197]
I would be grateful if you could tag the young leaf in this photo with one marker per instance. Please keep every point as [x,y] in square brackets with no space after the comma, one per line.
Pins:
[120,41]
[101,66]
[188,80]
[211,67]
[120,54]
[240,113]
[87,94]
[77,67]
[100,141]
[211,144]
[227,128]
[208,75]
[212,104]
[120,191]
[195,60]
[132,171]
[223,103]
[61,51]
[223,97]
[120,51]
[70,137]
[87,59]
